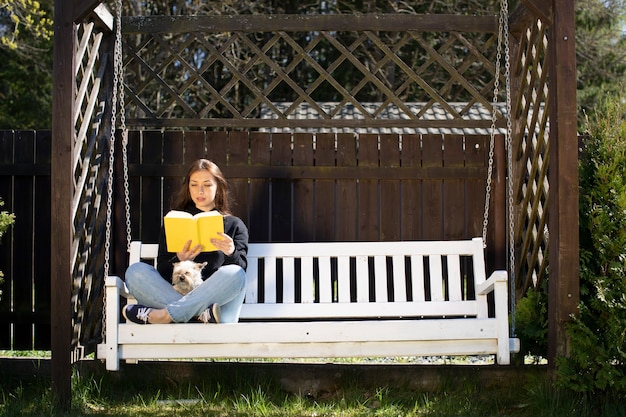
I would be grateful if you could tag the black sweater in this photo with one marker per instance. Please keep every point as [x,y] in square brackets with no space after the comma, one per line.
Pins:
[233,227]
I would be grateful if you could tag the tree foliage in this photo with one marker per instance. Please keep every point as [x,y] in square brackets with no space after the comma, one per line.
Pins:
[597,359]
[6,220]
[26,64]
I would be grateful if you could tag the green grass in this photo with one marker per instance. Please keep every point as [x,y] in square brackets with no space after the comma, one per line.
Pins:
[108,395]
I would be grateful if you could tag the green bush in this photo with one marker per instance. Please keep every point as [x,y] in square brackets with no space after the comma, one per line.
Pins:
[531,317]
[597,360]
[6,220]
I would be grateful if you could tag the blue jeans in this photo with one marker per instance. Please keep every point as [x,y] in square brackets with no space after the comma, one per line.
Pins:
[226,287]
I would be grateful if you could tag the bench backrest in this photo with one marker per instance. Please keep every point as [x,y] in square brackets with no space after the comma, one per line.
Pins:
[359,279]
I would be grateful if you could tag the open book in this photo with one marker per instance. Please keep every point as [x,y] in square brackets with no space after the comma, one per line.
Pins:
[181,227]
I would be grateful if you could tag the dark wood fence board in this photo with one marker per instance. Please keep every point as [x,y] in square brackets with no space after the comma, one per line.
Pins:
[325,201]
[303,190]
[454,197]
[411,204]
[7,143]
[151,192]
[432,197]
[23,232]
[41,245]
[368,190]
[259,197]
[347,189]
[281,190]
[239,145]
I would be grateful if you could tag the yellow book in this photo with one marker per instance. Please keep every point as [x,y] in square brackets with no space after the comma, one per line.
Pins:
[181,227]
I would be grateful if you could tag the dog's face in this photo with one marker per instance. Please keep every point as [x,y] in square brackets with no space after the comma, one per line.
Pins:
[186,276]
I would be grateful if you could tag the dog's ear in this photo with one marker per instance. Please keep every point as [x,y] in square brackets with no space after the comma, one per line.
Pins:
[202,265]
[175,264]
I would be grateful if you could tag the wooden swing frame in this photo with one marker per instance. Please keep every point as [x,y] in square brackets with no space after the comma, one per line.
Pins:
[563,243]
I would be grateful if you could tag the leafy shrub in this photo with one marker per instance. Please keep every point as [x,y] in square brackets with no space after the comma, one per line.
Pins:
[6,220]
[531,316]
[597,361]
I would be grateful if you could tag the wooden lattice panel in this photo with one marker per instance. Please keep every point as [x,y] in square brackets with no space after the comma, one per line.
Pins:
[531,156]
[90,165]
[231,71]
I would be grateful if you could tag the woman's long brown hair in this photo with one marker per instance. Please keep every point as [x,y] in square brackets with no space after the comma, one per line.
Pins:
[183,198]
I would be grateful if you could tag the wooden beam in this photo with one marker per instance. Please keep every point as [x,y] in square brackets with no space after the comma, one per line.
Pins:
[300,23]
[63,134]
[82,8]
[564,292]
[542,9]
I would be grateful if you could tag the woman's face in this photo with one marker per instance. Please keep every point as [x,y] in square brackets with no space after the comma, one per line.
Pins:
[202,188]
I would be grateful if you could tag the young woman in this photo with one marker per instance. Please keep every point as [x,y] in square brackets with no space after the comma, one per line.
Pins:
[219,298]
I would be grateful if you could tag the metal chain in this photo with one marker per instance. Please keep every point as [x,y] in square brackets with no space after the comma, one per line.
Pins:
[494,110]
[509,134]
[109,212]
[503,38]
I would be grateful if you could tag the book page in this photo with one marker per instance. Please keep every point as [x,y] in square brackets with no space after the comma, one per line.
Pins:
[181,227]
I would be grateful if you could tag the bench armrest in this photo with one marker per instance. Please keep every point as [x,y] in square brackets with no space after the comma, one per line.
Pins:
[488,286]
[115,281]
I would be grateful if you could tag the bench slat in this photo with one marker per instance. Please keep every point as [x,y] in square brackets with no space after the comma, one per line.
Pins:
[311,332]
[307,350]
[359,310]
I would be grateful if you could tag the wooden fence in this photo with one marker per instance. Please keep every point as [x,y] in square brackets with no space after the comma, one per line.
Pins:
[286,187]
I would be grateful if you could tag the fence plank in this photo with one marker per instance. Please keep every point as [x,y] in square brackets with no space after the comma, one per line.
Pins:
[23,232]
[411,204]
[390,191]
[7,144]
[260,212]
[173,154]
[41,244]
[303,190]
[347,189]
[325,197]
[432,214]
[281,190]
[454,189]
[368,196]
[238,158]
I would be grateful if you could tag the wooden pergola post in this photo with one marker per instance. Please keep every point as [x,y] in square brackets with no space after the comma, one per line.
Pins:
[66,14]
[564,292]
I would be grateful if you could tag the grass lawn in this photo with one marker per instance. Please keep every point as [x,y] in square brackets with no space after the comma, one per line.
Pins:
[114,394]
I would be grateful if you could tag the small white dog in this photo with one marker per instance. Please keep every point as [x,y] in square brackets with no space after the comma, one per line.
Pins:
[186,276]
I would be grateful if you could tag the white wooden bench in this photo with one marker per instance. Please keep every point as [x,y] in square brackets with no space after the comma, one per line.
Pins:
[339,299]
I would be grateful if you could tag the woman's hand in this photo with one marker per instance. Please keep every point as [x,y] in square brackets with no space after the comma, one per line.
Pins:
[187,253]
[225,244]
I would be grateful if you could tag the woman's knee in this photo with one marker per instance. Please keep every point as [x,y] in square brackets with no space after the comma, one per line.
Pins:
[236,272]
[137,272]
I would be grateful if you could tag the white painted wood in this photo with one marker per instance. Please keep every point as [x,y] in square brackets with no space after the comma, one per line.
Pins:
[343,279]
[316,311]
[311,332]
[289,280]
[417,278]
[325,281]
[308,286]
[269,295]
[362,279]
[399,278]
[380,279]
[252,284]
[436,278]
[454,278]
[336,326]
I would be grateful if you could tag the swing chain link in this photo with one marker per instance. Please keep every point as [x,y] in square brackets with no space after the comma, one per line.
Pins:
[503,38]
[509,135]
[117,57]
[494,114]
